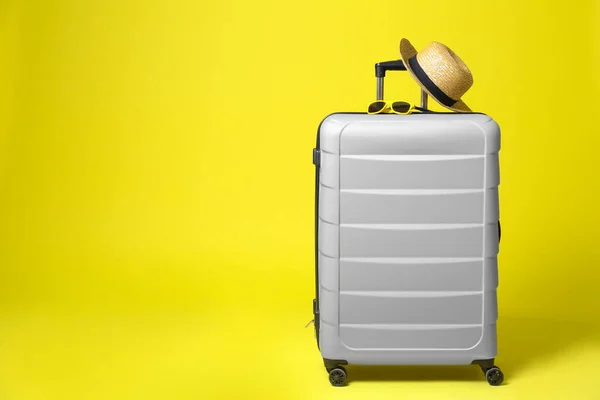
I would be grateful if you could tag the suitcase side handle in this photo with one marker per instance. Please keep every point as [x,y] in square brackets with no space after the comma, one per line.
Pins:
[395,65]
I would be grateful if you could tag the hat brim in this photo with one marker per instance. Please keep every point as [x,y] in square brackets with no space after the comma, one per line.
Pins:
[407,51]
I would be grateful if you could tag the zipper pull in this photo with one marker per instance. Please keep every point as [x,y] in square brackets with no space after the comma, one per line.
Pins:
[312,321]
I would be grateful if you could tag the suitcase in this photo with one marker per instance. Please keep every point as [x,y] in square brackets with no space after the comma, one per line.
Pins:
[406,236]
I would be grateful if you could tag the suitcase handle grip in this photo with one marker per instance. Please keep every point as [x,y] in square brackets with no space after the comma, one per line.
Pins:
[382,67]
[395,65]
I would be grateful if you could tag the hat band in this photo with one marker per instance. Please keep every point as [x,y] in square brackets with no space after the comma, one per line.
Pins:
[428,83]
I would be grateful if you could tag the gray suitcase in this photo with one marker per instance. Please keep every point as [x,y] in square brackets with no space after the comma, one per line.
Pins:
[407,237]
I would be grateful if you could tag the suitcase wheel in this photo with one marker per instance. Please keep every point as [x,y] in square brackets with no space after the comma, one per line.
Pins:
[337,376]
[494,376]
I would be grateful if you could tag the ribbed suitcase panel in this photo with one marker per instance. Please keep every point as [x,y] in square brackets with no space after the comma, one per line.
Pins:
[329,272]
[412,206]
[431,172]
[327,210]
[373,336]
[427,240]
[416,135]
[379,307]
[412,274]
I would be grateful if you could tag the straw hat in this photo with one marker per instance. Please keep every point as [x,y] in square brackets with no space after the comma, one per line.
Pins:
[440,72]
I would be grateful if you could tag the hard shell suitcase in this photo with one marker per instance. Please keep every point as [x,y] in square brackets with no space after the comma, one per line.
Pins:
[407,236]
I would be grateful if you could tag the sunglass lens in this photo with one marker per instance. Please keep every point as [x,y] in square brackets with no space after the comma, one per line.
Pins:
[376,106]
[401,106]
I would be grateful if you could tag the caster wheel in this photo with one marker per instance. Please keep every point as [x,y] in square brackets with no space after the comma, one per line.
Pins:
[494,376]
[337,376]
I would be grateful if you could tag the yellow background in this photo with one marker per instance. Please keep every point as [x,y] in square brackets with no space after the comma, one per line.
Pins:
[156,191]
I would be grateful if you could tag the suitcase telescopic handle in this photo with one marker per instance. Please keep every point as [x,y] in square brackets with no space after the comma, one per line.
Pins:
[395,65]
[382,67]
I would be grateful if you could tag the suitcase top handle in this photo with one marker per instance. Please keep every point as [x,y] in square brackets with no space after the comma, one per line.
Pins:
[395,65]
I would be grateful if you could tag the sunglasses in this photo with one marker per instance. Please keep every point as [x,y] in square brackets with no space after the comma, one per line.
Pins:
[397,107]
